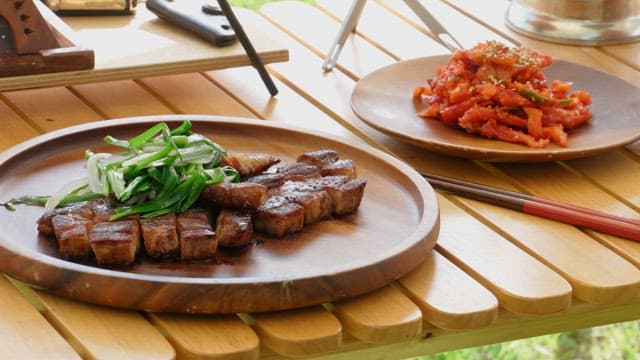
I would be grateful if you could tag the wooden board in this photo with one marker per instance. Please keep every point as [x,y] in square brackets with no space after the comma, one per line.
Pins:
[328,261]
[383,99]
[39,44]
[141,45]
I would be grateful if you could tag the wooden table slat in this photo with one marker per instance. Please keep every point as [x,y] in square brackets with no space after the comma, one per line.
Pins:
[194,94]
[129,97]
[209,337]
[521,283]
[24,332]
[100,332]
[299,332]
[443,293]
[382,316]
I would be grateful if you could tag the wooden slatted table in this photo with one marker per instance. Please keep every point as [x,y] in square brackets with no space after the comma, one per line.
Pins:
[495,274]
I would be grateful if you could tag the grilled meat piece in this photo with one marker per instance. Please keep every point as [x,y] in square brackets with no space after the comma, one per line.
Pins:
[197,239]
[115,242]
[102,209]
[234,195]
[250,164]
[270,180]
[72,232]
[278,216]
[298,171]
[234,228]
[160,236]
[319,158]
[317,205]
[341,167]
[346,193]
[81,210]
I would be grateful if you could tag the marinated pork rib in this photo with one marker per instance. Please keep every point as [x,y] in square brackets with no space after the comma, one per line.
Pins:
[160,236]
[72,231]
[197,239]
[278,216]
[250,164]
[115,242]
[234,228]
[234,195]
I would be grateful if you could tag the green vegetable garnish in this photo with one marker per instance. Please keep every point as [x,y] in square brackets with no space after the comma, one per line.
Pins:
[159,171]
[539,98]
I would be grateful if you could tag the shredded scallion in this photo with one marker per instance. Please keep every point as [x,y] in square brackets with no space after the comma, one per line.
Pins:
[160,170]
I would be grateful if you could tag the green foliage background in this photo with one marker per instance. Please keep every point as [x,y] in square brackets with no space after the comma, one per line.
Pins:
[614,342]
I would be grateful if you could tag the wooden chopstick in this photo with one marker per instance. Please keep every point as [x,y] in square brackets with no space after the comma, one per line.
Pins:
[550,209]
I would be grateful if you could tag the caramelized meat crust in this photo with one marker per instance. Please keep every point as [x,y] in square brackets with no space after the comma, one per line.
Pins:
[319,158]
[197,239]
[160,236]
[298,171]
[340,167]
[278,216]
[80,210]
[234,228]
[234,195]
[72,231]
[250,164]
[116,242]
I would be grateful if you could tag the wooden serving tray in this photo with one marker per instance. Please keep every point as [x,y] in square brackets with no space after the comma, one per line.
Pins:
[141,45]
[392,232]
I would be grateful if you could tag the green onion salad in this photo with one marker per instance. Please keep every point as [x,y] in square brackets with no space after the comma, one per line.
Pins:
[159,171]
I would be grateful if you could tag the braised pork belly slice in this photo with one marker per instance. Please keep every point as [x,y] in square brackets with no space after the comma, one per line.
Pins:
[319,158]
[234,228]
[278,216]
[197,238]
[234,195]
[115,242]
[72,233]
[80,210]
[250,164]
[160,236]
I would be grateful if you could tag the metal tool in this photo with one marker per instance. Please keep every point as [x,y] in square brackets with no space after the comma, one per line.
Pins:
[350,22]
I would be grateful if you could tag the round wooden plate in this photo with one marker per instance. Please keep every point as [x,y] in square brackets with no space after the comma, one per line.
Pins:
[383,99]
[391,233]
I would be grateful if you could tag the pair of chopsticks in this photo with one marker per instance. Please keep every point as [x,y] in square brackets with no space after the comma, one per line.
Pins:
[550,209]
